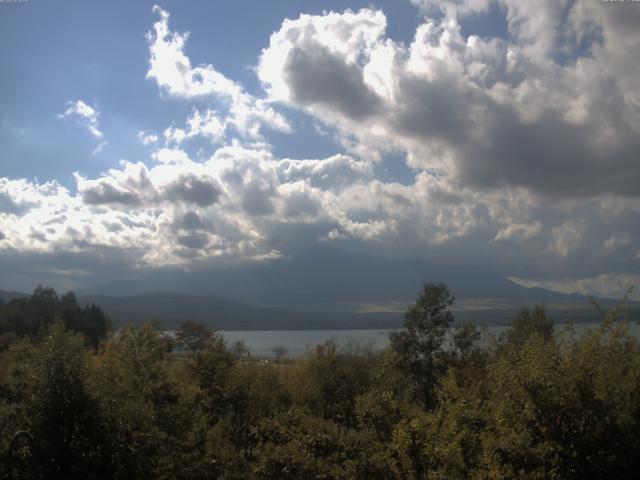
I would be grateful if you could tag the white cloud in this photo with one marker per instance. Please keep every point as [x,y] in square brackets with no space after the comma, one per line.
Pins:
[486,113]
[618,240]
[147,138]
[511,167]
[522,231]
[242,202]
[604,285]
[171,68]
[242,197]
[87,117]
[206,124]
[565,237]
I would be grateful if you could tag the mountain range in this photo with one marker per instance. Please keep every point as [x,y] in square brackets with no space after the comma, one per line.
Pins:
[354,291]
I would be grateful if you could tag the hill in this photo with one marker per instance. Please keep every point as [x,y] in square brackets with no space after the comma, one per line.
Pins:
[329,277]
[170,309]
[6,296]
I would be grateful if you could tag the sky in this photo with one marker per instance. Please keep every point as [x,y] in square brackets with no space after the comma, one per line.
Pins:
[140,138]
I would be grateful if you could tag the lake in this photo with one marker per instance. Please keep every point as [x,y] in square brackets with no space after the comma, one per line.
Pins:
[298,342]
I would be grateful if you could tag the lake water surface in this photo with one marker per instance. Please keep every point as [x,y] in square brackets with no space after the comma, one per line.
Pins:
[298,342]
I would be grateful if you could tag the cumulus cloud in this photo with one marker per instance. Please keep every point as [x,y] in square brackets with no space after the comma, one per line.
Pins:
[198,190]
[10,205]
[147,138]
[520,151]
[565,237]
[335,172]
[206,124]
[606,285]
[128,187]
[523,231]
[236,203]
[487,113]
[244,203]
[618,240]
[171,68]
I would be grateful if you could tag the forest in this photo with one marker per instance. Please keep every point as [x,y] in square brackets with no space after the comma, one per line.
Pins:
[445,400]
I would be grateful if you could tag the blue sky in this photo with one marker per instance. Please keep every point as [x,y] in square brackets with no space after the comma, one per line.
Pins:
[486,133]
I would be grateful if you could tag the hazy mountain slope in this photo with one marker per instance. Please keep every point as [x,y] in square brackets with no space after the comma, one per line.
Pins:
[7,296]
[332,277]
[172,308]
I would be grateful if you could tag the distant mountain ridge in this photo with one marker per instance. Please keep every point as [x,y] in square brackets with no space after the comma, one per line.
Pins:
[329,277]
[170,309]
[6,296]
[337,291]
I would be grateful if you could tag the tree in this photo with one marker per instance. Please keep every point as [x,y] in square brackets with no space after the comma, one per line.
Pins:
[211,368]
[528,323]
[419,343]
[329,381]
[299,446]
[90,320]
[240,349]
[141,405]
[466,339]
[194,336]
[65,420]
[279,351]
[43,308]
[32,316]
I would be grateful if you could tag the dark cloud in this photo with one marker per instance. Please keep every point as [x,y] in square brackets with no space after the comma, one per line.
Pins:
[194,240]
[301,204]
[131,188]
[314,75]
[189,221]
[65,269]
[38,235]
[201,191]
[550,157]
[107,194]
[9,205]
[60,219]
[438,109]
[257,201]
[113,226]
